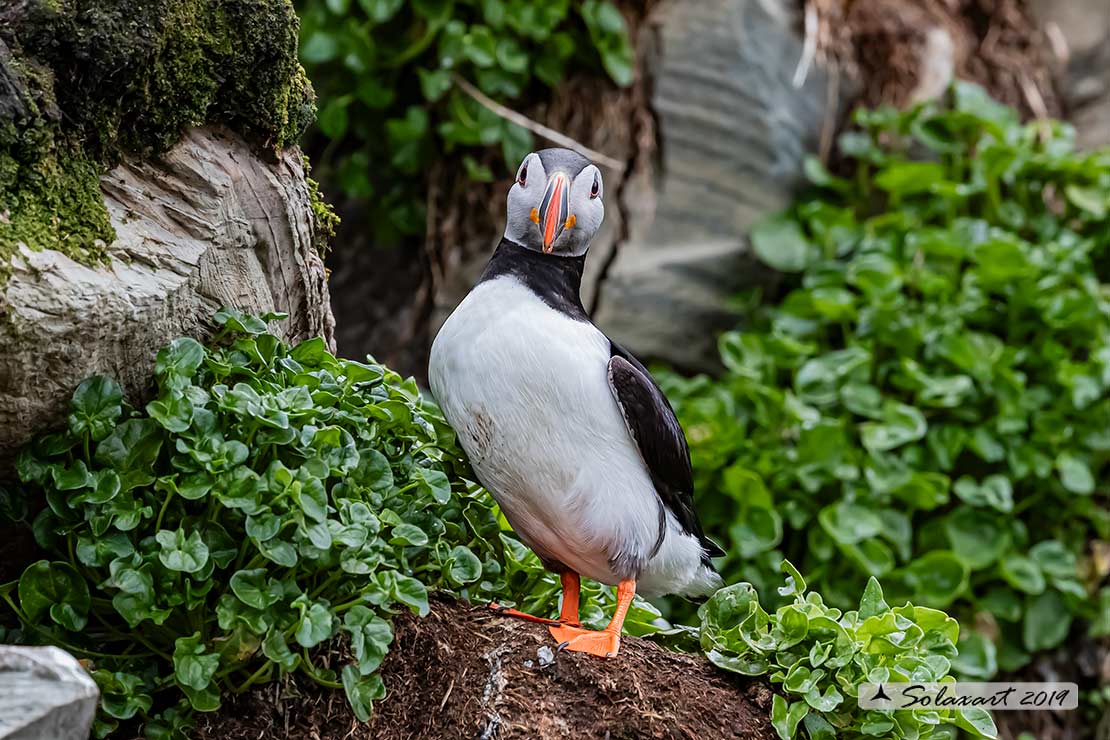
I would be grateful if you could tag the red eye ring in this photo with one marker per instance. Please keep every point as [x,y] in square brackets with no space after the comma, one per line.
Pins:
[596,189]
[523,176]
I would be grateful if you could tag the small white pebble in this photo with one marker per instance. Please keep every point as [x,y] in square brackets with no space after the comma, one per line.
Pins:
[546,656]
[528,664]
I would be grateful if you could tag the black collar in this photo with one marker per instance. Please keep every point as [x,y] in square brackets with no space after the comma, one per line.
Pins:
[557,280]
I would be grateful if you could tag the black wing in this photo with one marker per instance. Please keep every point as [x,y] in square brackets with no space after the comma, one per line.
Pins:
[656,431]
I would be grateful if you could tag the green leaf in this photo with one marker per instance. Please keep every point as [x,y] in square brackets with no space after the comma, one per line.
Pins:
[333,120]
[465,566]
[237,321]
[1047,621]
[1075,474]
[276,649]
[1055,560]
[817,727]
[315,625]
[373,470]
[182,552]
[900,425]
[253,589]
[55,588]
[1022,573]
[785,717]
[72,478]
[174,412]
[409,534]
[907,178]
[977,537]
[778,241]
[872,604]
[795,583]
[182,356]
[411,593]
[434,83]
[362,691]
[937,578]
[202,700]
[370,638]
[849,523]
[1094,201]
[193,667]
[95,407]
[380,11]
[132,447]
[1100,626]
[977,721]
[977,659]
[435,483]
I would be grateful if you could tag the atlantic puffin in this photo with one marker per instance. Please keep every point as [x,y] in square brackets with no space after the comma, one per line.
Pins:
[565,428]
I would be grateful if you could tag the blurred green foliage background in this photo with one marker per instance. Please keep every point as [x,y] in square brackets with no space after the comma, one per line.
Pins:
[389,107]
[929,404]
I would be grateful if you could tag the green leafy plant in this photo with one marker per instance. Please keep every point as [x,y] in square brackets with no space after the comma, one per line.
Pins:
[272,504]
[819,656]
[929,404]
[267,501]
[389,107]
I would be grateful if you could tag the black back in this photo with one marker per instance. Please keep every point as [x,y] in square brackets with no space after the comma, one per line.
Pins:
[654,427]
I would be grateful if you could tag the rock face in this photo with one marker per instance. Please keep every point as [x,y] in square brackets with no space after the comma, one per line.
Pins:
[1080,30]
[45,694]
[732,133]
[207,224]
[727,133]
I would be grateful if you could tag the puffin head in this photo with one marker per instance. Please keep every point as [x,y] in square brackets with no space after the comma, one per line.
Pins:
[555,207]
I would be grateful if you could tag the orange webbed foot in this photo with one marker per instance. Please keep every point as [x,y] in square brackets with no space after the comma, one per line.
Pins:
[602,643]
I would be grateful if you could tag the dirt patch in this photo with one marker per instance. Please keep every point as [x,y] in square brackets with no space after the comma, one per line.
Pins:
[902,51]
[1082,660]
[464,672]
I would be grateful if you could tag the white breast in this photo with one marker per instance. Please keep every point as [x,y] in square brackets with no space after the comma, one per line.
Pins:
[526,389]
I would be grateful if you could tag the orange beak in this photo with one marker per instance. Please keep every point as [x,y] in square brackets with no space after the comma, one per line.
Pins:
[553,211]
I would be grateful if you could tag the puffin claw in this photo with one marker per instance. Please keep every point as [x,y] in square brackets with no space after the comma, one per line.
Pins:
[602,643]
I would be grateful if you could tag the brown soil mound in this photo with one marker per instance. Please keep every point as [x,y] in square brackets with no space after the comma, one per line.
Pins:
[894,47]
[465,672]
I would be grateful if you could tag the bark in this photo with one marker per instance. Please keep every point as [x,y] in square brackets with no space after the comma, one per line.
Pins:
[122,223]
[207,224]
[465,672]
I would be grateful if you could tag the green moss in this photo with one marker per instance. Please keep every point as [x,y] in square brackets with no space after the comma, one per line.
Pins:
[324,218]
[101,79]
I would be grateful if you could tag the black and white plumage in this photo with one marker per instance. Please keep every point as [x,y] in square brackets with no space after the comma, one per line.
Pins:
[565,428]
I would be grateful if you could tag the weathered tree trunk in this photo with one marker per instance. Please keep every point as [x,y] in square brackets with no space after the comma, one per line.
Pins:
[463,673]
[206,225]
[122,225]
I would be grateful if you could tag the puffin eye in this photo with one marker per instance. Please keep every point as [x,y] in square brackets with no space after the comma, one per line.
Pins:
[597,186]
[523,176]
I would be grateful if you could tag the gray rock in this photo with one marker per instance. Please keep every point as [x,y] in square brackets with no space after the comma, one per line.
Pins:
[45,694]
[207,224]
[732,134]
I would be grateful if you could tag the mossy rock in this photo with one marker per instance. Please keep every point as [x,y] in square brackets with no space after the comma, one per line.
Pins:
[84,84]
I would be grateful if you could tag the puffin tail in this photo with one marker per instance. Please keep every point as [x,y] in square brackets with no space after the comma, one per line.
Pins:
[705,582]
